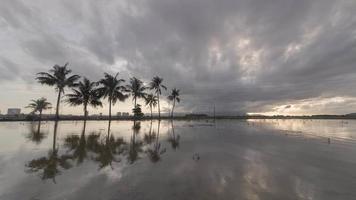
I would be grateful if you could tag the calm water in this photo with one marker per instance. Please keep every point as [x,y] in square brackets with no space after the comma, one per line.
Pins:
[228,159]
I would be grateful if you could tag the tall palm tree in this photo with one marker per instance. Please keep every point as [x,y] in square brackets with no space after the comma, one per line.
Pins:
[112,90]
[137,89]
[174,96]
[151,101]
[85,94]
[156,85]
[59,77]
[39,105]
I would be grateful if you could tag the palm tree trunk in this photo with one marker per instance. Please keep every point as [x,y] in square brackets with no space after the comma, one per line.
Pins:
[135,108]
[84,127]
[39,122]
[58,101]
[85,113]
[174,103]
[40,116]
[109,109]
[174,136]
[151,111]
[159,125]
[150,128]
[159,109]
[55,135]
[39,127]
[109,116]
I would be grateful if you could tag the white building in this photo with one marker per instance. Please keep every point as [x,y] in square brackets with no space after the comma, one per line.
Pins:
[13,111]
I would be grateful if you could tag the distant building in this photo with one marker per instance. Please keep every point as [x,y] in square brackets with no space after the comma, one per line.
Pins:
[125,114]
[13,111]
[118,114]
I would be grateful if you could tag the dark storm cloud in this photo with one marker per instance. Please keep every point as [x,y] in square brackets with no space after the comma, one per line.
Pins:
[8,69]
[242,55]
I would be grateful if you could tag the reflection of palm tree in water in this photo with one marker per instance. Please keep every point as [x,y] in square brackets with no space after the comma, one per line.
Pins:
[49,165]
[78,145]
[105,150]
[150,137]
[35,135]
[155,153]
[135,146]
[174,139]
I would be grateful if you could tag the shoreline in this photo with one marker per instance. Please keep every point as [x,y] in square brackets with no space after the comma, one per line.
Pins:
[131,118]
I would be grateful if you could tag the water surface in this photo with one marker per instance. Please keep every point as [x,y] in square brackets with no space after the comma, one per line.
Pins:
[225,159]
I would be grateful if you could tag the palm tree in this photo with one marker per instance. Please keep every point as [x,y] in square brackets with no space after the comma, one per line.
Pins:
[39,105]
[58,77]
[156,85]
[174,96]
[137,89]
[112,90]
[85,94]
[151,101]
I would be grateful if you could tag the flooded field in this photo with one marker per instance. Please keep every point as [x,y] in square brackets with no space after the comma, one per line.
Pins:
[222,159]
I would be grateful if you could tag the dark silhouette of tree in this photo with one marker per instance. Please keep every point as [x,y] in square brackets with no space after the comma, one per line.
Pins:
[58,77]
[151,101]
[112,89]
[174,139]
[86,94]
[155,152]
[174,96]
[136,89]
[104,151]
[77,145]
[35,135]
[137,111]
[49,166]
[108,151]
[135,146]
[156,85]
[151,136]
[39,105]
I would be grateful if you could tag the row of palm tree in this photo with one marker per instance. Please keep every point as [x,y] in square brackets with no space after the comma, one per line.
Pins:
[88,93]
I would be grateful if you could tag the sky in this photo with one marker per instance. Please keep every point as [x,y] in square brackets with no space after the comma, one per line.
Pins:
[291,57]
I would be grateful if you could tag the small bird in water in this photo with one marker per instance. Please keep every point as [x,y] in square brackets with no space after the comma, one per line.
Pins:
[196,157]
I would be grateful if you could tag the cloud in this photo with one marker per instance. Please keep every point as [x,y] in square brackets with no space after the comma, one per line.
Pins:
[243,56]
[9,69]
